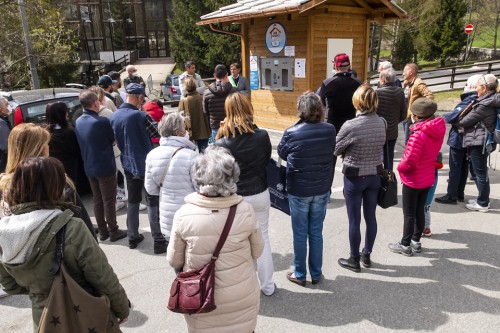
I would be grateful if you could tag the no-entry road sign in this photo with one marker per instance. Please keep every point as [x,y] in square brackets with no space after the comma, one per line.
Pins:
[469,28]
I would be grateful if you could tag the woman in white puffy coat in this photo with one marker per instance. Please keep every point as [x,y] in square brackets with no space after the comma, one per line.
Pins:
[195,234]
[174,184]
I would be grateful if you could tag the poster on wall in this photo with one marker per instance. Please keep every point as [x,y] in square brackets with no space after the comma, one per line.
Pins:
[254,73]
[275,38]
[300,68]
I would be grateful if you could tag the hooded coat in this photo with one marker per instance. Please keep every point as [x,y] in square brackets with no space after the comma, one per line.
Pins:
[195,234]
[28,244]
[480,119]
[213,101]
[417,167]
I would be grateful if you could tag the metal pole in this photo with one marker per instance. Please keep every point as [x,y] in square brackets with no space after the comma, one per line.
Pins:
[89,73]
[35,83]
[111,21]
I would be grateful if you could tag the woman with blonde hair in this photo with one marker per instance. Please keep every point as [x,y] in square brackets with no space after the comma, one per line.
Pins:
[192,105]
[360,142]
[29,140]
[251,147]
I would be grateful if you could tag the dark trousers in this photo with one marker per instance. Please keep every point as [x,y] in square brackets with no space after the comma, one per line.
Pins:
[457,176]
[135,186]
[389,159]
[104,192]
[413,213]
[479,162]
[202,144]
[361,191]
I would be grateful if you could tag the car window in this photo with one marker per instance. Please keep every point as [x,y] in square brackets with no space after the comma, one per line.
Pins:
[36,111]
[169,81]
[176,81]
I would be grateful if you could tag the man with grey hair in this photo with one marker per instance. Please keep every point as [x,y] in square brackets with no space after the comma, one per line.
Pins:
[133,77]
[5,128]
[391,107]
[386,65]
[133,132]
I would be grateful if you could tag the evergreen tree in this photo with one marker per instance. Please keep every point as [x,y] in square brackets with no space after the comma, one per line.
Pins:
[441,31]
[404,47]
[189,41]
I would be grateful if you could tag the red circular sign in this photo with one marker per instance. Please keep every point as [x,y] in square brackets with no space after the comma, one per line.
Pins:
[469,28]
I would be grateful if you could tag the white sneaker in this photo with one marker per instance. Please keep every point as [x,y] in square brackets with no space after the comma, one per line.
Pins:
[475,206]
[142,206]
[119,205]
[471,201]
[3,293]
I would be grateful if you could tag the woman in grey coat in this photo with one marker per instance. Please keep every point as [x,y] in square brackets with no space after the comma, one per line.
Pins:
[360,142]
[168,170]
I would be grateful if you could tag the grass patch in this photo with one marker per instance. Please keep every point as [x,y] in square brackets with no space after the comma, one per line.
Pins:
[447,95]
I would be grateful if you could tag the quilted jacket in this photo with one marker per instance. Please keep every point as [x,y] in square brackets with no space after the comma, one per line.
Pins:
[177,183]
[195,233]
[417,167]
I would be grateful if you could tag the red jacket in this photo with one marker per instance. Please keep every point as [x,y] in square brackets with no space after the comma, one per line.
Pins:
[156,113]
[417,167]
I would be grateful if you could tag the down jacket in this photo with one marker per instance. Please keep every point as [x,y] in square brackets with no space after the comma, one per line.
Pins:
[417,167]
[195,233]
[391,107]
[308,149]
[483,111]
[455,138]
[85,261]
[360,140]
[213,101]
[177,183]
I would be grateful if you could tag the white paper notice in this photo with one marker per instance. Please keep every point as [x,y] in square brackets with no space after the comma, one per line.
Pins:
[253,63]
[289,51]
[300,67]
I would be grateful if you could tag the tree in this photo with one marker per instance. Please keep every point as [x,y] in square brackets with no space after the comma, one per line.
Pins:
[488,21]
[189,41]
[53,45]
[441,34]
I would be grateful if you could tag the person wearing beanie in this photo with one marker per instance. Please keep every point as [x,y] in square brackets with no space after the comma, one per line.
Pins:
[458,163]
[476,122]
[417,172]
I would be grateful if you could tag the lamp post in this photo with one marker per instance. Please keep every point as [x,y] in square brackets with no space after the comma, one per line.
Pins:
[111,22]
[89,73]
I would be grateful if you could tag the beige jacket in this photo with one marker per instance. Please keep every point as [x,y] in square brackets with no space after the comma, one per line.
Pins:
[417,88]
[195,232]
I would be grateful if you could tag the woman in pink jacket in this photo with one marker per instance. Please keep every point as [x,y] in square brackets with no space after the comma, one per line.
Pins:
[416,171]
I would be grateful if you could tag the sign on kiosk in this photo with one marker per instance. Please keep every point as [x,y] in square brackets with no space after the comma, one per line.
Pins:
[469,28]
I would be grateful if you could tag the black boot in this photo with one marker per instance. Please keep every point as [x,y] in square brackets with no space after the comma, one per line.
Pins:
[160,247]
[365,260]
[352,263]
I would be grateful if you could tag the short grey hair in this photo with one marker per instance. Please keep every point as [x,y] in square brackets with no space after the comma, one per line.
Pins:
[310,108]
[170,124]
[388,75]
[384,65]
[215,172]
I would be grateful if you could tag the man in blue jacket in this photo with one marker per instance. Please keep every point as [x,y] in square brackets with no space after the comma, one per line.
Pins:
[95,138]
[133,132]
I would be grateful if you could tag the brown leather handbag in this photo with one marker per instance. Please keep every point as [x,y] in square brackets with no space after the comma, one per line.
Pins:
[193,292]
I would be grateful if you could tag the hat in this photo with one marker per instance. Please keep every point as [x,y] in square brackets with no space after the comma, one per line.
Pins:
[114,75]
[341,60]
[424,107]
[486,79]
[135,89]
[105,81]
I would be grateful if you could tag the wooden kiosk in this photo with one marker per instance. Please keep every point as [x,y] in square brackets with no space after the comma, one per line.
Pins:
[288,45]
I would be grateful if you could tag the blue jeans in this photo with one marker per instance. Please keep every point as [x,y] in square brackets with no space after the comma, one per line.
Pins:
[308,214]
[214,133]
[480,167]
[389,159]
[459,169]
[361,191]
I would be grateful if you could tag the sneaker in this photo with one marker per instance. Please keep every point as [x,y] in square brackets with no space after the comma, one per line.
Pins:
[416,246]
[119,205]
[3,293]
[427,232]
[445,199]
[160,247]
[475,206]
[399,248]
[142,206]
[132,244]
[117,235]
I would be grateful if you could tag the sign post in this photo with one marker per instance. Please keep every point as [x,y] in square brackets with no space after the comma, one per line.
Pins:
[469,28]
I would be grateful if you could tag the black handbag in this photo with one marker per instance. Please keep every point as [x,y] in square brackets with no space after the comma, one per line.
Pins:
[388,191]
[276,181]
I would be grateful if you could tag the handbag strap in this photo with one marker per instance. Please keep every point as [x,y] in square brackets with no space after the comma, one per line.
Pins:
[225,232]
[168,165]
[59,251]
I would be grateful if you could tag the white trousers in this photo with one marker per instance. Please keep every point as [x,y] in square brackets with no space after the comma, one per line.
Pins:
[261,204]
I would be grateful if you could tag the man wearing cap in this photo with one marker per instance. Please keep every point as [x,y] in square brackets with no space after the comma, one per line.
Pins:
[117,96]
[190,67]
[105,83]
[133,131]
[414,88]
[133,77]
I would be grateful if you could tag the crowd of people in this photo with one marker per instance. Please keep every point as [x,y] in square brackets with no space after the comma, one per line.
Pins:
[191,166]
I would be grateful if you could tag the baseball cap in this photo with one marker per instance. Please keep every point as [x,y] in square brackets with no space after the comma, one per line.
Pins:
[341,60]
[105,81]
[135,89]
